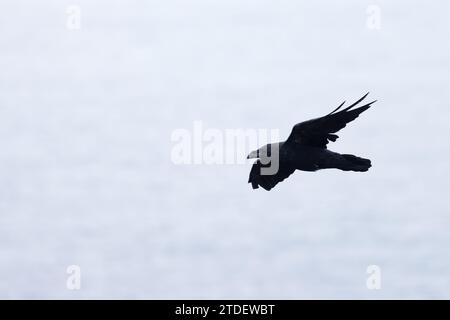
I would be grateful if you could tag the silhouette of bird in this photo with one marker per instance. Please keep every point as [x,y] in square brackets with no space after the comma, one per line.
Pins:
[306,149]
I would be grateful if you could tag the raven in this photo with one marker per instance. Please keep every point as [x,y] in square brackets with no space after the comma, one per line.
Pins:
[306,149]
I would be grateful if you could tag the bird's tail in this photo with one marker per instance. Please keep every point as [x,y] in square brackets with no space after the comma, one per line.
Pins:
[353,163]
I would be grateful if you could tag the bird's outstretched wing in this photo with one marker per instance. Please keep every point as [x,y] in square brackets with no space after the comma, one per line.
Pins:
[318,132]
[267,182]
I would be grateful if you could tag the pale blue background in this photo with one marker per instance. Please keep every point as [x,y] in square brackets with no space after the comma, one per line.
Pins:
[85,170]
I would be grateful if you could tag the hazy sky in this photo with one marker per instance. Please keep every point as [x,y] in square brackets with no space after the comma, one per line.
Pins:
[91,92]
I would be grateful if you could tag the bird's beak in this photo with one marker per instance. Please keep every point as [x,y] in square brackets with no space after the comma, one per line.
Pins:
[253,155]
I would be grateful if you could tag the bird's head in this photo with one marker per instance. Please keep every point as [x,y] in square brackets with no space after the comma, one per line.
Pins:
[262,152]
[253,155]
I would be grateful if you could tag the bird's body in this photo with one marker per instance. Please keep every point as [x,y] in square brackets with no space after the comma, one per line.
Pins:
[306,149]
[308,158]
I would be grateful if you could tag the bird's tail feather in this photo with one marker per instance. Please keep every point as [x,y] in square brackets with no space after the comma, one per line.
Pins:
[354,163]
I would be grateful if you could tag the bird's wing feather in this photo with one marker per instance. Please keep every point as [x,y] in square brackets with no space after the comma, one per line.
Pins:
[318,132]
[268,181]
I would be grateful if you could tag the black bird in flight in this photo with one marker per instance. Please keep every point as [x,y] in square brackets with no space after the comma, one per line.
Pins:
[306,149]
